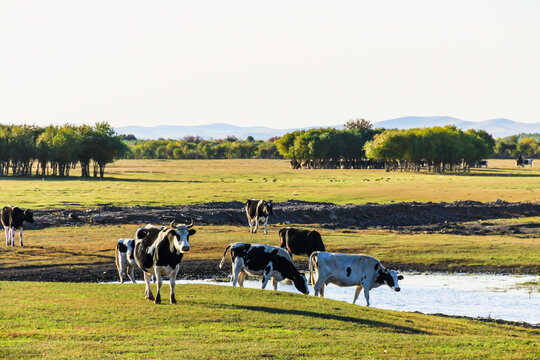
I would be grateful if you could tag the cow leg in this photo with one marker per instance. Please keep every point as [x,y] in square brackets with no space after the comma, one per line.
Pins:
[236,270]
[250,221]
[265,222]
[172,281]
[148,292]
[12,236]
[20,237]
[159,282]
[319,287]
[256,224]
[7,231]
[266,275]
[356,293]
[121,272]
[131,273]
[274,283]
[241,278]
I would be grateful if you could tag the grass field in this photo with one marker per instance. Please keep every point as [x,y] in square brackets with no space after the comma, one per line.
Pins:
[87,245]
[99,321]
[157,182]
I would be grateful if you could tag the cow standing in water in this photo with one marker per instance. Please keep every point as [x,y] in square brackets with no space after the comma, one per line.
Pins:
[159,250]
[12,219]
[258,210]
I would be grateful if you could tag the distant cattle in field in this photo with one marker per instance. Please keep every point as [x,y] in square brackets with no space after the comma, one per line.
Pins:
[298,241]
[522,162]
[362,271]
[266,261]
[125,259]
[12,219]
[481,163]
[159,250]
[256,211]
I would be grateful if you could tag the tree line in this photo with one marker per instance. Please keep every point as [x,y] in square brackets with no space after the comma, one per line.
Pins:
[57,149]
[194,147]
[440,149]
[526,145]
[328,148]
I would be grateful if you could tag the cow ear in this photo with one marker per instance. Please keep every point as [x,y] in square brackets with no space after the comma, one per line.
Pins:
[192,231]
[400,277]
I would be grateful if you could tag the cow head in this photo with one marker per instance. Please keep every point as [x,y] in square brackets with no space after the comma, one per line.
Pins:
[28,216]
[181,238]
[390,278]
[300,282]
[269,205]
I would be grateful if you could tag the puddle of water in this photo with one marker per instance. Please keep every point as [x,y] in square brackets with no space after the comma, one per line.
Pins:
[476,295]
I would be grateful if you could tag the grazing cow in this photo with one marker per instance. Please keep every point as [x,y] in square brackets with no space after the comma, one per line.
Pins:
[258,210]
[298,241]
[159,250]
[362,271]
[527,162]
[12,219]
[125,258]
[266,261]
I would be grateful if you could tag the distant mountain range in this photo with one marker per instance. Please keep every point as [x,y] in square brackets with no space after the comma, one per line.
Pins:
[495,127]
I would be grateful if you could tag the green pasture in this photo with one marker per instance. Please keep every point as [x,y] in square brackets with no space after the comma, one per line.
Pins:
[114,321]
[171,182]
[86,246]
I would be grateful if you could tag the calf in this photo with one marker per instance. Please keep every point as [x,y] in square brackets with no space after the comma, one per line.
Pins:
[13,219]
[266,261]
[125,258]
[258,210]
[159,250]
[362,271]
[298,241]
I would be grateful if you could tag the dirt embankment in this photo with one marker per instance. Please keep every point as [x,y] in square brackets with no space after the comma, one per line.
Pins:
[455,218]
[415,217]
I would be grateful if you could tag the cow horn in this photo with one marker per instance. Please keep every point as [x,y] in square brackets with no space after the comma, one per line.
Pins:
[173,224]
[190,225]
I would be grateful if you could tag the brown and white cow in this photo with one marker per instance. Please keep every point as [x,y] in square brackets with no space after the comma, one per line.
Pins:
[159,250]
[12,219]
[125,258]
[362,271]
[258,210]
[266,261]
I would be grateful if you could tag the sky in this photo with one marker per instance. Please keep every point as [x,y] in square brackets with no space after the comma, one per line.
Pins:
[280,64]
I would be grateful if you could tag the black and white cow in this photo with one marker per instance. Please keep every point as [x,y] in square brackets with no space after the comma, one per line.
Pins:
[125,258]
[362,271]
[12,219]
[266,261]
[298,241]
[159,250]
[258,210]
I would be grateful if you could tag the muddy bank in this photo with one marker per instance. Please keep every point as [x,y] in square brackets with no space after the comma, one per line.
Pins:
[413,216]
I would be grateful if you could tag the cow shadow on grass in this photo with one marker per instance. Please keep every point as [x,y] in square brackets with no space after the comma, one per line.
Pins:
[373,323]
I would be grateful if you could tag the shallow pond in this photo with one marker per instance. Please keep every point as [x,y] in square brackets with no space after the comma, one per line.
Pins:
[472,295]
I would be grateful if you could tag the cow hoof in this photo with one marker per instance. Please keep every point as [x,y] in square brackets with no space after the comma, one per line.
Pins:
[150,297]
[157,301]
[173,301]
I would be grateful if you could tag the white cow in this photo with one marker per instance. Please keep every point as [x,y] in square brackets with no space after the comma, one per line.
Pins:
[125,259]
[362,271]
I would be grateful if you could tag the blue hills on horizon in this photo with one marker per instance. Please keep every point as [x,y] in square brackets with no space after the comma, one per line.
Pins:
[496,127]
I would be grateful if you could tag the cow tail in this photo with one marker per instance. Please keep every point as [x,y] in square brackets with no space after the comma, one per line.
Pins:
[116,256]
[224,254]
[312,266]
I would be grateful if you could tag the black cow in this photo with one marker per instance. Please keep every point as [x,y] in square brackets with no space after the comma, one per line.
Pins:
[299,242]
[257,210]
[159,250]
[13,219]
[266,261]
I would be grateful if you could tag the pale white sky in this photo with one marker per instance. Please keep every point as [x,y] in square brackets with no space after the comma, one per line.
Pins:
[280,64]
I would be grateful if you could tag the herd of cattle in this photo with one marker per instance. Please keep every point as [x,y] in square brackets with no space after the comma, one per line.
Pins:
[158,251]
